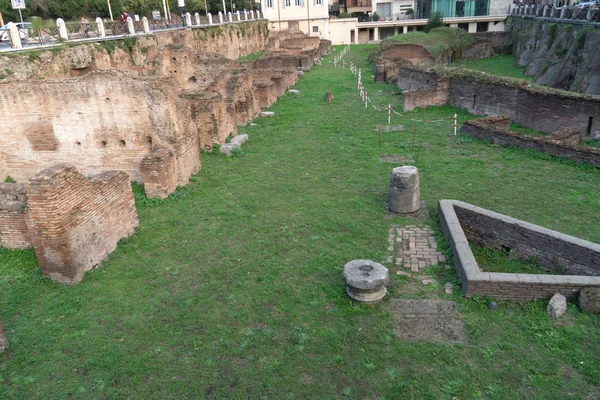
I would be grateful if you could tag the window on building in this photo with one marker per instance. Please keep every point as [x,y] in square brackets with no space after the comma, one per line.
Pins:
[318,2]
[269,4]
[287,3]
[315,29]
[384,10]
[299,3]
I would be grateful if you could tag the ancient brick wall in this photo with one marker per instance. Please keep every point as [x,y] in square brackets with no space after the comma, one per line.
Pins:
[14,233]
[553,251]
[426,97]
[462,222]
[480,129]
[76,222]
[414,79]
[546,110]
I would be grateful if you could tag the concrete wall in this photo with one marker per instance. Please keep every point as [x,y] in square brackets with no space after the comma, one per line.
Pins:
[76,222]
[339,30]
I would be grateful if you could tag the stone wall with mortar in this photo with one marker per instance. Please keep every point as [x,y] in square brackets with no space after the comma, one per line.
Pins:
[489,128]
[76,222]
[14,233]
[462,222]
[543,109]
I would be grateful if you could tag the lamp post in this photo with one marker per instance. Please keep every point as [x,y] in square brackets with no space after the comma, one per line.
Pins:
[166,11]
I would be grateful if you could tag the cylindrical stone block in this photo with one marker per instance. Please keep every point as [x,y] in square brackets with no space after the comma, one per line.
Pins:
[405,193]
[365,281]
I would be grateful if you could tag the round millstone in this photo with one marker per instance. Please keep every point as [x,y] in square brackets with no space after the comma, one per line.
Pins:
[365,281]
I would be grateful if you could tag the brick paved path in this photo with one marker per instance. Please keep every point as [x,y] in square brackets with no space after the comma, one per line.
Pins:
[414,247]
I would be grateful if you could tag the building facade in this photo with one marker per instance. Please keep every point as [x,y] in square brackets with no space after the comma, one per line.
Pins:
[312,16]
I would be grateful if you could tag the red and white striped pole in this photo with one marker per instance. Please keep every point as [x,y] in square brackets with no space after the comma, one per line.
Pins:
[454,124]
[389,114]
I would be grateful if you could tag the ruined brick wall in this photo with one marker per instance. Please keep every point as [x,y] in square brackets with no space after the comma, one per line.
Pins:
[76,222]
[414,79]
[499,135]
[14,233]
[142,58]
[546,110]
[484,99]
[426,97]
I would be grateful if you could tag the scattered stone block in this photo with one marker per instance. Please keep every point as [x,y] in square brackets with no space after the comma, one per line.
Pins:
[557,306]
[300,73]
[589,300]
[405,193]
[266,114]
[241,139]
[492,305]
[448,288]
[294,91]
[403,273]
[3,339]
[365,281]
[316,61]
[227,148]
[329,97]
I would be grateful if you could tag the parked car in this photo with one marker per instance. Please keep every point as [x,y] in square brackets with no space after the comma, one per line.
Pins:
[24,29]
[585,4]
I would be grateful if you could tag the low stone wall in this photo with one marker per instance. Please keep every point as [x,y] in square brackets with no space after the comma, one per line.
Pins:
[543,109]
[489,128]
[14,233]
[77,222]
[463,222]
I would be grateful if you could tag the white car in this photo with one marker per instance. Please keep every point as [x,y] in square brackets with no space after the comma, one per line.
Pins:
[585,4]
[24,29]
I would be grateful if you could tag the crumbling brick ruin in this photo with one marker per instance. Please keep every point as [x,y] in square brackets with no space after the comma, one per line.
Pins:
[562,143]
[72,222]
[139,112]
[146,109]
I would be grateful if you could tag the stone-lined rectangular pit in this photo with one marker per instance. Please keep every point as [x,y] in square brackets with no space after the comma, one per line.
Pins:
[463,222]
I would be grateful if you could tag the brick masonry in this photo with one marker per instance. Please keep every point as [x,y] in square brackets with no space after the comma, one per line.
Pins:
[488,128]
[77,222]
[545,110]
[181,94]
[14,233]
[462,222]
[413,247]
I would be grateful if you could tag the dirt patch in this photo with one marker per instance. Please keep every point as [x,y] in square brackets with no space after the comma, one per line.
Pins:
[435,321]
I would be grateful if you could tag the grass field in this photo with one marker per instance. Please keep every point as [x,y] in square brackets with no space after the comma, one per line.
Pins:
[497,65]
[232,287]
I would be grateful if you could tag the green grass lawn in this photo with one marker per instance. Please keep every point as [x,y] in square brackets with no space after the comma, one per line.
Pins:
[496,65]
[232,287]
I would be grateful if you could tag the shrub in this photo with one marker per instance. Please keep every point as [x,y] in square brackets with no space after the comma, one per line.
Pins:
[435,21]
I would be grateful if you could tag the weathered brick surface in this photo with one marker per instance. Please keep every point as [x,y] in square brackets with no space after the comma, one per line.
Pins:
[481,129]
[14,233]
[426,97]
[462,222]
[544,110]
[76,222]
[414,247]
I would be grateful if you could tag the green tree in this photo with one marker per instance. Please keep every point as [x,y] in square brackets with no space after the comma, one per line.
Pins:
[435,21]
